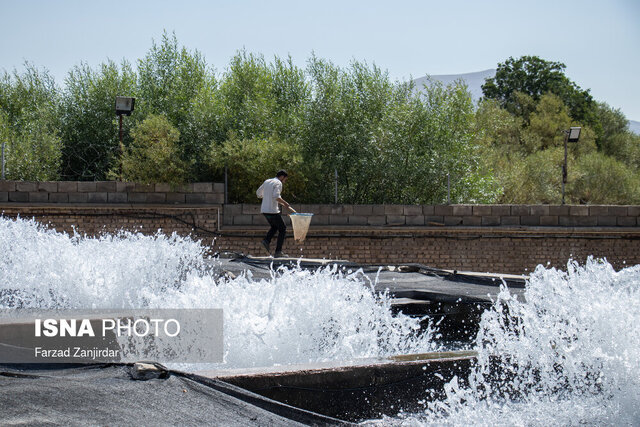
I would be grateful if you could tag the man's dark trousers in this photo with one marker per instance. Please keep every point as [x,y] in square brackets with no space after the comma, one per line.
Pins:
[277,224]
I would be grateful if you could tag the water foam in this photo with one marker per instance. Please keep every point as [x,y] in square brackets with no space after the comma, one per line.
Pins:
[569,355]
[296,316]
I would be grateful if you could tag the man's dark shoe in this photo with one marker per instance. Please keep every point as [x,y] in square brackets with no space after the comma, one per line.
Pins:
[281,255]
[265,245]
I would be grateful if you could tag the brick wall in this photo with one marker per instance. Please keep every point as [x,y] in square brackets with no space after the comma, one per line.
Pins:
[110,192]
[517,244]
[485,250]
[450,215]
[200,222]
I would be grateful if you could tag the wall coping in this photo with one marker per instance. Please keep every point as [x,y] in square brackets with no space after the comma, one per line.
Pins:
[110,192]
[448,215]
[128,194]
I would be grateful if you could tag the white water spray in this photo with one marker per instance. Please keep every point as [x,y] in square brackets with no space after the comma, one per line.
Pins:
[569,355]
[296,316]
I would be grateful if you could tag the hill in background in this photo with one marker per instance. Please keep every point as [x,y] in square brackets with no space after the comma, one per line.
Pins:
[475,81]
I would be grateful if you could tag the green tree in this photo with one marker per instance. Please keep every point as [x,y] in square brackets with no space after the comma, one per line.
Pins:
[291,93]
[600,179]
[527,160]
[387,143]
[28,118]
[34,153]
[202,126]
[548,121]
[172,82]
[153,155]
[251,161]
[341,120]
[498,136]
[89,127]
[614,138]
[632,151]
[495,126]
[535,77]
[247,97]
[445,143]
[32,92]
[536,178]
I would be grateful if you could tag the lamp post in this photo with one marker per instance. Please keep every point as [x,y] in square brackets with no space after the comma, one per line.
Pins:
[335,188]
[2,161]
[124,107]
[571,135]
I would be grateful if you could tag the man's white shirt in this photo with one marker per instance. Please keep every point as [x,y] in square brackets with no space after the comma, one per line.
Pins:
[269,192]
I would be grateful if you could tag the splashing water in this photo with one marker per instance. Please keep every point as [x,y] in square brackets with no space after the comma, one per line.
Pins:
[569,355]
[296,316]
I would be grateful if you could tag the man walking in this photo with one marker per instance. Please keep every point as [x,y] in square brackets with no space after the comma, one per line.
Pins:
[269,192]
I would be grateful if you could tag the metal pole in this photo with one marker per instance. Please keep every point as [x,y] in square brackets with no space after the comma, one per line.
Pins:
[448,189]
[226,184]
[3,160]
[564,166]
[336,186]
[120,116]
[120,150]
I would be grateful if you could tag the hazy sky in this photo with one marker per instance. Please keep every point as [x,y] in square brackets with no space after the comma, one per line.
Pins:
[598,40]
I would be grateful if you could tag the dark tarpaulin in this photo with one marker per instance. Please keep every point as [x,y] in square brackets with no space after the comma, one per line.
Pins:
[111,395]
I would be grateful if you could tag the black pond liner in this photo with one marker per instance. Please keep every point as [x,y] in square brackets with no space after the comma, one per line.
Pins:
[115,394]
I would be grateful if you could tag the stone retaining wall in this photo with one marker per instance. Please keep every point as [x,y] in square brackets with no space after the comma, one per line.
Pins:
[199,222]
[495,249]
[110,192]
[485,249]
[450,215]
[494,238]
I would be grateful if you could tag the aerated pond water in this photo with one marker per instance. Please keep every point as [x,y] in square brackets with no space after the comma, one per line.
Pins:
[570,354]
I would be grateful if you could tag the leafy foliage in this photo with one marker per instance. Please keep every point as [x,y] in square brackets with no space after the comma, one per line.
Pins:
[169,79]
[387,144]
[251,161]
[89,128]
[153,155]
[535,77]
[387,141]
[601,179]
[381,138]
[28,124]
[527,158]
[535,179]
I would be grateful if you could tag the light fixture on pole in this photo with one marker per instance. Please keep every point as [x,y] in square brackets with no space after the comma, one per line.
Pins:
[124,107]
[2,161]
[571,135]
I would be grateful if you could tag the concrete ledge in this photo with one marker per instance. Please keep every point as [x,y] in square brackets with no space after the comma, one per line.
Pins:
[359,390]
[317,230]
[460,215]
[207,193]
[91,192]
